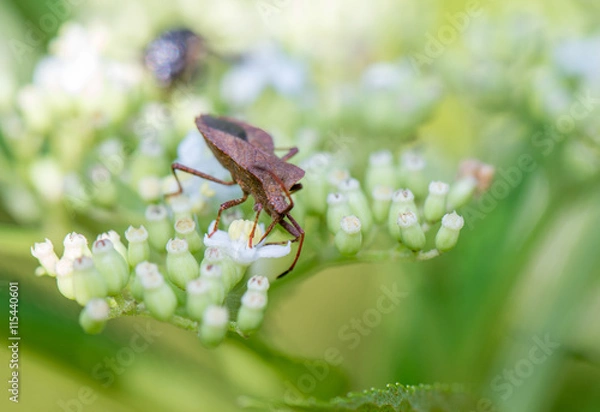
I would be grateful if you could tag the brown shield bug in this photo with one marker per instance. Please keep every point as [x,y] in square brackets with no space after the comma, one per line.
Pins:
[248,153]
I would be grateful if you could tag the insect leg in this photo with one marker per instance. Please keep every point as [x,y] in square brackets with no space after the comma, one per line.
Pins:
[291,153]
[270,229]
[258,207]
[295,230]
[183,168]
[227,205]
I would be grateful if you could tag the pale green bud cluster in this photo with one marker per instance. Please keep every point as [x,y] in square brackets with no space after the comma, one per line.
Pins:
[407,213]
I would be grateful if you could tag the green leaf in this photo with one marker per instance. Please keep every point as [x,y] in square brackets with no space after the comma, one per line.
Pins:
[395,398]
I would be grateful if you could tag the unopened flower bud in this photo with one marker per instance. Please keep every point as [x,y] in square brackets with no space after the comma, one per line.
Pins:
[182,207]
[336,177]
[213,276]
[435,203]
[141,269]
[381,171]
[231,272]
[64,278]
[44,252]
[412,174]
[198,298]
[181,265]
[411,233]
[461,192]
[215,321]
[88,283]
[447,235]
[258,284]
[149,160]
[159,227]
[382,199]
[159,298]
[116,242]
[111,265]
[186,229]
[316,187]
[359,204]
[94,316]
[75,246]
[138,248]
[403,201]
[348,239]
[485,176]
[104,189]
[150,188]
[252,311]
[338,207]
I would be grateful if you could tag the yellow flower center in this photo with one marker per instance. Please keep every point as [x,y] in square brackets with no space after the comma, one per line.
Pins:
[240,230]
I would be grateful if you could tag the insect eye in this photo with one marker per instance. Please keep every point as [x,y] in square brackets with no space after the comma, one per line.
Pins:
[225,126]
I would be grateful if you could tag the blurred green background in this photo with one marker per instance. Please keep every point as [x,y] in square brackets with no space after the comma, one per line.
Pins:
[525,269]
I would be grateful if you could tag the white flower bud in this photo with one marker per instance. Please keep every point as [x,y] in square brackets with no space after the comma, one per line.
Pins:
[359,204]
[338,207]
[258,284]
[412,176]
[116,242]
[381,170]
[403,201]
[181,207]
[348,239]
[215,321]
[64,278]
[181,265]
[94,315]
[159,298]
[111,265]
[251,313]
[435,203]
[141,270]
[198,297]
[461,192]
[411,233]
[75,246]
[382,199]
[159,227]
[212,274]
[186,229]
[87,281]
[44,252]
[447,235]
[138,249]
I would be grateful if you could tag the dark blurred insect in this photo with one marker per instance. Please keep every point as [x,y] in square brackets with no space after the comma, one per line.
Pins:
[175,55]
[248,153]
